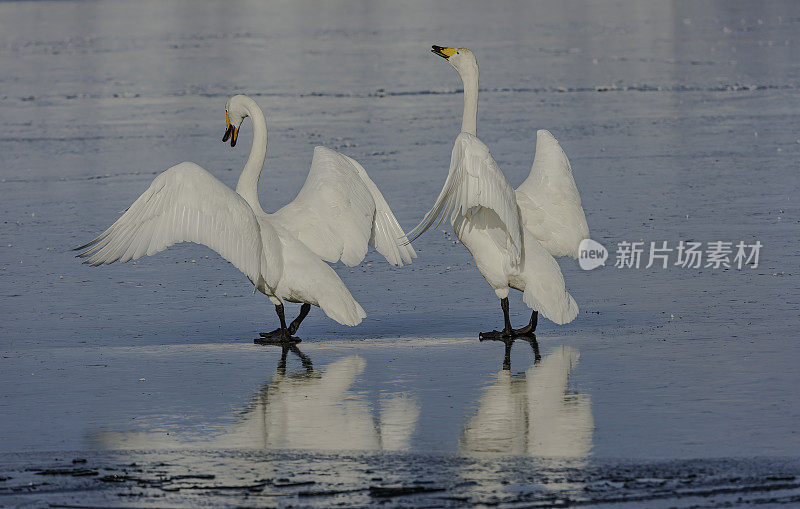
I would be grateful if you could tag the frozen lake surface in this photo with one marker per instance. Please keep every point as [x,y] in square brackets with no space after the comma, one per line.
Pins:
[679,119]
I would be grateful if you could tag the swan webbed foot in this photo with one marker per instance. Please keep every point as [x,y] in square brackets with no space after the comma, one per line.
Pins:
[277,337]
[495,335]
[508,332]
[282,335]
[504,335]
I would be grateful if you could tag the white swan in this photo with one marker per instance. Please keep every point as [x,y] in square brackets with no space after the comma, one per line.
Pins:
[513,236]
[336,214]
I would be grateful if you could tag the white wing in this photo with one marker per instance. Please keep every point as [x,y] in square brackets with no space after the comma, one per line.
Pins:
[549,202]
[475,181]
[339,212]
[185,203]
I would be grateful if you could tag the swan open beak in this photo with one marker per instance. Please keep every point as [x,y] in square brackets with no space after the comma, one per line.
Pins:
[445,53]
[230,132]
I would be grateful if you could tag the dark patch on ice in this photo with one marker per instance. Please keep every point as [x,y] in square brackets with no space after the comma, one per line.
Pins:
[397,491]
[326,493]
[415,479]
[75,472]
[286,483]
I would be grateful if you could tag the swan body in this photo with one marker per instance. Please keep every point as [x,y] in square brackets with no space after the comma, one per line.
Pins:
[336,215]
[513,235]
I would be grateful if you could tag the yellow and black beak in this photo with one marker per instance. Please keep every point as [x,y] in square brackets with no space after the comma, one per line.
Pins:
[231,131]
[445,53]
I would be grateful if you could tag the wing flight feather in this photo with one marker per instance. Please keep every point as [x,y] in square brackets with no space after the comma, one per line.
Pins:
[475,180]
[549,202]
[183,204]
[339,212]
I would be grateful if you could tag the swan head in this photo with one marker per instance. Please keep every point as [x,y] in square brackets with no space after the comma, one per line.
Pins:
[235,113]
[462,59]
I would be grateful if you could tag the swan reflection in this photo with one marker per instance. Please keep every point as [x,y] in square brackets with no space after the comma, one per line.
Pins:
[322,412]
[304,359]
[303,410]
[509,342]
[532,413]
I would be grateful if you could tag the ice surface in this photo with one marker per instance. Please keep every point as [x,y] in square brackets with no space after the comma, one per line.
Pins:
[679,119]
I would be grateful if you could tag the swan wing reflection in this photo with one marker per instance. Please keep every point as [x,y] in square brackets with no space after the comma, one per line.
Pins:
[398,419]
[533,413]
[309,410]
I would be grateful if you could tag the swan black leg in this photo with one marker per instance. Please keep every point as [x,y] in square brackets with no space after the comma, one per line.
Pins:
[304,309]
[281,316]
[530,328]
[278,336]
[507,332]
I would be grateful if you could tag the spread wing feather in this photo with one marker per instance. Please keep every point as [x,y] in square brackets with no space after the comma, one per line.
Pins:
[183,204]
[475,180]
[549,202]
[387,235]
[339,212]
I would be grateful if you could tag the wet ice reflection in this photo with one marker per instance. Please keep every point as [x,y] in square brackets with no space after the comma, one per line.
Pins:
[533,413]
[305,410]
[321,412]
[339,405]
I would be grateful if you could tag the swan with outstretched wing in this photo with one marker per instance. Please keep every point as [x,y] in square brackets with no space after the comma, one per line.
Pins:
[513,235]
[338,213]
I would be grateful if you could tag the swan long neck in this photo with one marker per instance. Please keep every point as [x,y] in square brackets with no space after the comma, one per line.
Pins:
[469,121]
[247,187]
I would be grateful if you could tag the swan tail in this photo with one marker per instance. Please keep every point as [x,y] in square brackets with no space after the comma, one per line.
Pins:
[332,296]
[342,308]
[544,287]
[561,310]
